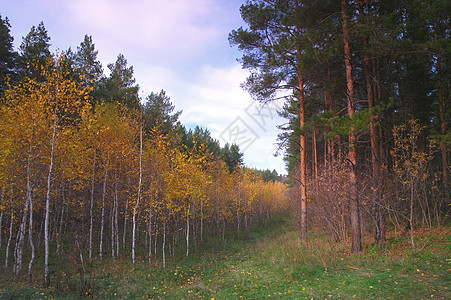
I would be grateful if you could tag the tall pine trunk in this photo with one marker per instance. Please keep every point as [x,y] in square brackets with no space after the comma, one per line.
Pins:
[375,156]
[352,155]
[442,109]
[303,151]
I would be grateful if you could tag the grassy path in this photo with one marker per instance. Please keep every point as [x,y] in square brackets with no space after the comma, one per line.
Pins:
[273,264]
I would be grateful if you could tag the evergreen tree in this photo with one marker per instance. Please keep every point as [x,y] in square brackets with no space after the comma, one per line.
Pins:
[86,62]
[120,86]
[8,56]
[231,155]
[158,112]
[34,51]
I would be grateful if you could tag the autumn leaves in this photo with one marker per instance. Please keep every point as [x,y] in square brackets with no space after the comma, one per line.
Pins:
[71,168]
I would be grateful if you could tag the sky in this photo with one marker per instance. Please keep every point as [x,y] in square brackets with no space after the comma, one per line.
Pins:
[180,46]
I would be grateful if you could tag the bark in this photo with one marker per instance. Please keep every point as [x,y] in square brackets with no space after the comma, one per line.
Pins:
[22,228]
[370,74]
[116,221]
[125,220]
[47,204]
[102,221]
[187,232]
[302,162]
[315,155]
[149,231]
[164,244]
[30,232]
[375,155]
[19,243]
[303,149]
[442,108]
[1,215]
[1,222]
[9,240]
[91,216]
[352,155]
[139,193]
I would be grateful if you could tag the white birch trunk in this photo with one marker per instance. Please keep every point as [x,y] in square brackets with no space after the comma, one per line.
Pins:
[47,205]
[187,231]
[139,193]
[20,239]
[1,221]
[164,244]
[30,228]
[125,224]
[91,217]
[9,240]
[1,216]
[116,226]
[102,221]
[149,230]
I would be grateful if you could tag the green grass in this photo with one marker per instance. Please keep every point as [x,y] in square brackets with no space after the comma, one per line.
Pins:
[271,263]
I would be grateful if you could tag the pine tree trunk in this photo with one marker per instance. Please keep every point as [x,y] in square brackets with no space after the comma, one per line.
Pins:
[375,156]
[302,145]
[352,156]
[303,159]
[442,108]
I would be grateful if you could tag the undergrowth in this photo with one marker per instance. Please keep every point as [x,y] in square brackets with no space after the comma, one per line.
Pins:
[270,263]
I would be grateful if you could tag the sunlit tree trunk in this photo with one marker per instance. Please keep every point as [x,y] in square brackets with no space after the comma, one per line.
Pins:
[302,162]
[352,155]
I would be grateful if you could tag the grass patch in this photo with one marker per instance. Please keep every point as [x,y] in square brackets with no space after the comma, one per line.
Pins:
[272,263]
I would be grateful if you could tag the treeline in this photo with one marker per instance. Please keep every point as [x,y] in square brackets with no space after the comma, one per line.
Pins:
[368,85]
[84,165]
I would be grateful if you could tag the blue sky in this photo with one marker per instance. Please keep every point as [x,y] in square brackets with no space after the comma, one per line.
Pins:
[179,46]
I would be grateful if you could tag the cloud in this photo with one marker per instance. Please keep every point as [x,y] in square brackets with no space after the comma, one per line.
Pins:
[161,28]
[180,46]
[218,103]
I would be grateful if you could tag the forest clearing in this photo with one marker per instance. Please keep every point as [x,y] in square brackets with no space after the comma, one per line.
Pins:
[272,263]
